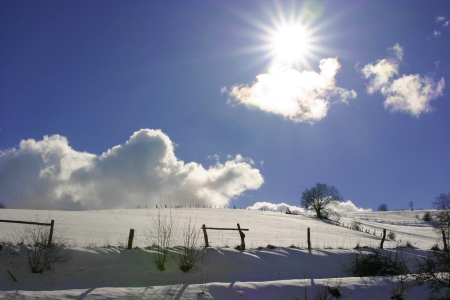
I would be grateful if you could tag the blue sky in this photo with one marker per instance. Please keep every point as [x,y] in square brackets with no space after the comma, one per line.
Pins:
[197,101]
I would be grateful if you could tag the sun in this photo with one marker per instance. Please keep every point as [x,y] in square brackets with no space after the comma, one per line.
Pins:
[290,44]
[285,35]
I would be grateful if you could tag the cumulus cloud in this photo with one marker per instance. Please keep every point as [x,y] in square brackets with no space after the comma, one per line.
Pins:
[144,170]
[412,94]
[409,93]
[299,96]
[276,207]
[348,206]
[341,207]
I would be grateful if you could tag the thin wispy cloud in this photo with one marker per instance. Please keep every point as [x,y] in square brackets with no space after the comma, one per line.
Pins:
[408,94]
[143,171]
[440,19]
[397,50]
[443,22]
[299,96]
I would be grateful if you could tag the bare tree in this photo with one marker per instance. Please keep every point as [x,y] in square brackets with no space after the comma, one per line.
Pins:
[323,199]
[411,205]
[442,204]
[433,270]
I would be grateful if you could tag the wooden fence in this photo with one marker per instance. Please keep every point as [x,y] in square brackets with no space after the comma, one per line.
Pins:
[51,224]
[241,247]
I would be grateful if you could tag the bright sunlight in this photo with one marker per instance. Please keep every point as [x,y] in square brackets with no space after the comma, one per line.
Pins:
[290,44]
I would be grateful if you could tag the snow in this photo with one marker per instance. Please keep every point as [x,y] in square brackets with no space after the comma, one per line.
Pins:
[100,269]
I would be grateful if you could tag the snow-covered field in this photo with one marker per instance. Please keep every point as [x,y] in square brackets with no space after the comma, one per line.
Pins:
[101,268]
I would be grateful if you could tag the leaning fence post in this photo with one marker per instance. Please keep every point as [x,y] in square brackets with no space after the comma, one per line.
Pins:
[130,239]
[50,237]
[205,235]
[242,237]
[382,240]
[309,239]
[444,240]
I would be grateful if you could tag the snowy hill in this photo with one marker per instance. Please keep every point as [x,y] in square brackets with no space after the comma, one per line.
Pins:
[101,268]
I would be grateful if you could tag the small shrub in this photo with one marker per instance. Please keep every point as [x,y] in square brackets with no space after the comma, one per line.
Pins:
[326,291]
[238,247]
[432,270]
[407,244]
[41,256]
[203,283]
[435,247]
[391,235]
[2,205]
[377,263]
[398,286]
[321,292]
[334,291]
[427,217]
[189,254]
[161,235]
[383,207]
[356,226]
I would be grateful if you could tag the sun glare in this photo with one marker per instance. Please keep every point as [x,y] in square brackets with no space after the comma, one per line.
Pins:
[290,44]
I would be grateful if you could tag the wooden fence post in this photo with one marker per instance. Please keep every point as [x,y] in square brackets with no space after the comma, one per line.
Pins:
[205,235]
[382,240]
[50,237]
[444,240]
[130,239]
[309,239]
[242,237]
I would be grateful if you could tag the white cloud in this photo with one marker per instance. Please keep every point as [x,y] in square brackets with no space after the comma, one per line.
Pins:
[379,74]
[49,173]
[412,94]
[436,33]
[276,207]
[348,206]
[409,93]
[223,90]
[300,96]
[398,51]
[341,207]
[440,19]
